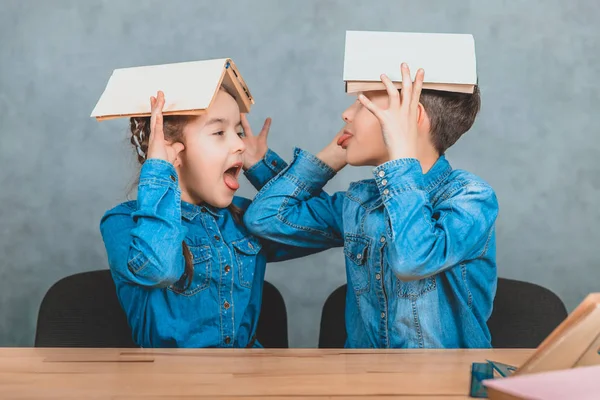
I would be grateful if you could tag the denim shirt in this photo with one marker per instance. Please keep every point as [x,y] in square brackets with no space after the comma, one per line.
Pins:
[143,242]
[419,248]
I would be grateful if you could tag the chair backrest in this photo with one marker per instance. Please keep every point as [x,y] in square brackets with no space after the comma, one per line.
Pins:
[524,314]
[272,329]
[332,334]
[83,310]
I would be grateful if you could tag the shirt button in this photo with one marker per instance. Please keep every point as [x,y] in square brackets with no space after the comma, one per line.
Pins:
[274,163]
[217,238]
[227,269]
[226,305]
[359,256]
[173,178]
[384,182]
[227,340]
[378,276]
[381,174]
[250,245]
[203,209]
[382,315]
[382,240]
[386,192]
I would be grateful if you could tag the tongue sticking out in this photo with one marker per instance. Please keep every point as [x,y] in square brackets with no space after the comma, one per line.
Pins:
[343,138]
[231,181]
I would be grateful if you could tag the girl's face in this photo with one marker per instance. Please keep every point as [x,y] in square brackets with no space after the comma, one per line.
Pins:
[210,164]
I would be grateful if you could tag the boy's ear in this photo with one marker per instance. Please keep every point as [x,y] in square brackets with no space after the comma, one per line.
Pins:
[423,123]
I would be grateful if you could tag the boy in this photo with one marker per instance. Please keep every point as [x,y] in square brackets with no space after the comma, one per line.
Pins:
[418,239]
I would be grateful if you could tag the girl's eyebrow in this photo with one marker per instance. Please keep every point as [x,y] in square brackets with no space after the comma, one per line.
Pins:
[217,121]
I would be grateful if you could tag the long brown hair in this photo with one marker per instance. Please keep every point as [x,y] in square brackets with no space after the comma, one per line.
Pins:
[173,126]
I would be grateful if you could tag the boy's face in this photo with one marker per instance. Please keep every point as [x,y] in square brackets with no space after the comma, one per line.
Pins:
[362,137]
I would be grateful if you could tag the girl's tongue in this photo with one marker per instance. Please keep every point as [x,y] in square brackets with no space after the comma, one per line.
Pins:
[230,179]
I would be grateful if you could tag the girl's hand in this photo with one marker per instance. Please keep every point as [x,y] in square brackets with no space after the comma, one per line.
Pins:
[158,147]
[256,146]
[333,155]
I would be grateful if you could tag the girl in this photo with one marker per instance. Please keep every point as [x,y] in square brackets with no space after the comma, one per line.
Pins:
[187,272]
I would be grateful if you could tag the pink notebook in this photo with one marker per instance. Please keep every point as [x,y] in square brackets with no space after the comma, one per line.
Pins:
[581,383]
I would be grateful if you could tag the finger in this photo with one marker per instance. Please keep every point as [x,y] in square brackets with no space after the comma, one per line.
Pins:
[406,84]
[152,114]
[246,125]
[156,120]
[369,105]
[417,88]
[160,100]
[264,132]
[393,94]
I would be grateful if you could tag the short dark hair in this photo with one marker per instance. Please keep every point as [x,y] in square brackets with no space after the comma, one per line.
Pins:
[450,114]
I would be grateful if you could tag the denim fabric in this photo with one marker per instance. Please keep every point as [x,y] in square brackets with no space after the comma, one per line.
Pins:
[419,248]
[143,241]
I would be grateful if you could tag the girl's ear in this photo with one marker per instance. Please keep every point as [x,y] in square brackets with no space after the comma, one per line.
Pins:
[177,148]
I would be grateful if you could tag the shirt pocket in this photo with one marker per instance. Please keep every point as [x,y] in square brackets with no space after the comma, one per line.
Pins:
[415,289]
[246,252]
[356,250]
[201,257]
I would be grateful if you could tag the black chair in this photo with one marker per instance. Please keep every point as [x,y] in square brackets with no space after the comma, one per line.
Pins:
[332,334]
[272,329]
[524,314]
[82,310]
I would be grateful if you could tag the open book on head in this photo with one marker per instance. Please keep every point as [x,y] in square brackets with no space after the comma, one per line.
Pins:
[189,87]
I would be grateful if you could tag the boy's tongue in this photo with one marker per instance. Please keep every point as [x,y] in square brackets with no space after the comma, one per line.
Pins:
[343,138]
[231,181]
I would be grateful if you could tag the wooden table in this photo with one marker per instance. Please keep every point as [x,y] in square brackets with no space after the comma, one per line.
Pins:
[250,374]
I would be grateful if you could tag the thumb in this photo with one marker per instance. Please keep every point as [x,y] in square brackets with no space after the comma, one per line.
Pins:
[369,105]
[264,132]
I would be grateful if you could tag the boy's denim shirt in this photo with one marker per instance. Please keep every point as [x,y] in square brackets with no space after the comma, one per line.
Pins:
[143,242]
[420,248]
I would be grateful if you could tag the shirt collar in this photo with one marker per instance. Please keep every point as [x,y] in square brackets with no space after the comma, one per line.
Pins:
[190,211]
[438,172]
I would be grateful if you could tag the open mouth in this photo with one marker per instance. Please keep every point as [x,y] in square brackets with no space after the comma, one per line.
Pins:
[230,177]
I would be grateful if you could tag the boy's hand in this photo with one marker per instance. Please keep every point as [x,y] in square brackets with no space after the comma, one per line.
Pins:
[256,146]
[399,121]
[333,155]
[158,147]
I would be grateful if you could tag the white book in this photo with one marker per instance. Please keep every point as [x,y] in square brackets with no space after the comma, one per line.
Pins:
[189,87]
[448,60]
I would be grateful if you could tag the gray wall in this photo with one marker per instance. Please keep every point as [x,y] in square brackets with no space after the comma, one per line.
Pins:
[535,141]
